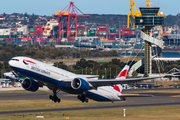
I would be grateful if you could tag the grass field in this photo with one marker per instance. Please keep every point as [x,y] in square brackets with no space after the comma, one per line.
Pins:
[135,113]
[11,105]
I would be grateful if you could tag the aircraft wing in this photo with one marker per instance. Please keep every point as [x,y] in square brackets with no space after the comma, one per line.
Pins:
[109,82]
[135,95]
[15,78]
[120,81]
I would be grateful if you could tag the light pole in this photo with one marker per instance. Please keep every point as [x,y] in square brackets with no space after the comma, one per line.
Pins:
[81,68]
[105,73]
[91,71]
[116,71]
[119,31]
[86,70]
[97,71]
[110,72]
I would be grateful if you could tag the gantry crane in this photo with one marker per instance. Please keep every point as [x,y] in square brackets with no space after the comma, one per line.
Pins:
[148,4]
[132,13]
[67,18]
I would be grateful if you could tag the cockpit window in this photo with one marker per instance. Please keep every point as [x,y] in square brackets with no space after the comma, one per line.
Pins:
[15,59]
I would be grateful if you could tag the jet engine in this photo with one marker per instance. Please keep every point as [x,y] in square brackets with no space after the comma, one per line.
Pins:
[30,84]
[80,84]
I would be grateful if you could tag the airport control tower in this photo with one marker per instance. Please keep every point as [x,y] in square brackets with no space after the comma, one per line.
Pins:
[148,20]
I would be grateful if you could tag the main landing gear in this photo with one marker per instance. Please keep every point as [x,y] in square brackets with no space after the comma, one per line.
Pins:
[82,98]
[54,97]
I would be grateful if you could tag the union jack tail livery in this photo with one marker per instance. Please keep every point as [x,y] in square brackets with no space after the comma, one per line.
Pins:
[123,73]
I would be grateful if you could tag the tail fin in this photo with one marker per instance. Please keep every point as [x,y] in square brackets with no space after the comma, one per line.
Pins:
[123,73]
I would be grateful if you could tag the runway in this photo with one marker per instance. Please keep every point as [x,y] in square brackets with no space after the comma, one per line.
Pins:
[159,99]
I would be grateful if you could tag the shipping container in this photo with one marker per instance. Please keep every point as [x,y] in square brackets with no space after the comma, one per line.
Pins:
[92,34]
[103,32]
[2,40]
[11,33]
[80,30]
[46,40]
[84,40]
[73,29]
[103,40]
[112,31]
[132,33]
[58,40]
[17,40]
[9,39]
[102,26]
[80,33]
[126,33]
[19,31]
[111,40]
[39,29]
[71,39]
[13,36]
[92,31]
[31,29]
[126,29]
[102,29]
[40,26]
[96,40]
[133,28]
[112,28]
[31,33]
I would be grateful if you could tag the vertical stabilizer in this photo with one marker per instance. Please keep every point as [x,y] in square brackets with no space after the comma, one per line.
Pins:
[123,73]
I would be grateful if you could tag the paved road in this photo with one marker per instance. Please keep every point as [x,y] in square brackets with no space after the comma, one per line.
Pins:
[159,99]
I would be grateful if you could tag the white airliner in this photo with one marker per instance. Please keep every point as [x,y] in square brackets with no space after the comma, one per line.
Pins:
[38,74]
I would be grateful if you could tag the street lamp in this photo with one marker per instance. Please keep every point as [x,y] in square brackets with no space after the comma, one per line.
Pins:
[116,71]
[91,71]
[105,73]
[97,71]
[119,30]
[110,72]
[86,70]
[81,68]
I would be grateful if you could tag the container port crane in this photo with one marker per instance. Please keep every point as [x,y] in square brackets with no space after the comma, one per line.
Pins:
[67,19]
[133,14]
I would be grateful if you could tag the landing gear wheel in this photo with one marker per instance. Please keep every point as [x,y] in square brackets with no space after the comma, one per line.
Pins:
[79,97]
[54,97]
[82,98]
[50,97]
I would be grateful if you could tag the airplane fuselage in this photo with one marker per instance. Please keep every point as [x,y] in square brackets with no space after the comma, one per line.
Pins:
[53,77]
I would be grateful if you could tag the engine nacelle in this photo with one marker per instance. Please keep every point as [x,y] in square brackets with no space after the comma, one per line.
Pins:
[30,84]
[80,84]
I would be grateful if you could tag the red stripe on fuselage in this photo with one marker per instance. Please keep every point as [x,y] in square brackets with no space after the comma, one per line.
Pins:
[29,61]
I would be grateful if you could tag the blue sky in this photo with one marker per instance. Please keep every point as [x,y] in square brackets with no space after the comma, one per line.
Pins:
[49,7]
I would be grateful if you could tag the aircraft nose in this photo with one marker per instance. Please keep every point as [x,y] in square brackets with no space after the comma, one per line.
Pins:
[10,63]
